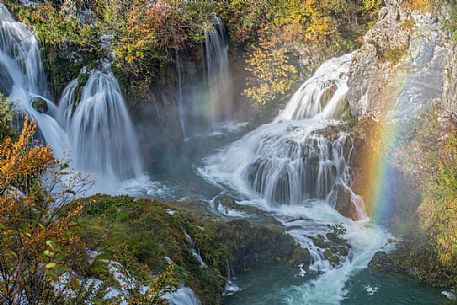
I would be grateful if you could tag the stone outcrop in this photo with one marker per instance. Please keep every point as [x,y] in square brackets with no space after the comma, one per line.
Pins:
[251,246]
[400,65]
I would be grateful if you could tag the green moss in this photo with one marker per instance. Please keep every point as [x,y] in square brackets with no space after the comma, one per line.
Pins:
[141,233]
[408,24]
[82,80]
[392,56]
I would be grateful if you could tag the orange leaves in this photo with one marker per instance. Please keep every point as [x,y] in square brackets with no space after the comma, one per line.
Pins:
[32,219]
[418,5]
[20,160]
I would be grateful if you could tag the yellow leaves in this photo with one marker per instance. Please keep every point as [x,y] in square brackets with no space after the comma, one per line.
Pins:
[430,157]
[272,75]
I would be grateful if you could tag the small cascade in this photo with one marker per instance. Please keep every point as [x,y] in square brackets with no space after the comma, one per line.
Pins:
[322,95]
[196,252]
[290,161]
[103,141]
[183,296]
[231,288]
[95,127]
[179,95]
[219,104]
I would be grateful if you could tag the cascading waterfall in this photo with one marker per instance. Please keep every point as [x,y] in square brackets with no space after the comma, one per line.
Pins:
[292,169]
[219,107]
[103,141]
[23,78]
[96,129]
[288,161]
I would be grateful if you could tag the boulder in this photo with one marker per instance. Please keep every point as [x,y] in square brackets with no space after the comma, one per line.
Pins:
[40,104]
[381,262]
[344,202]
[335,247]
[251,246]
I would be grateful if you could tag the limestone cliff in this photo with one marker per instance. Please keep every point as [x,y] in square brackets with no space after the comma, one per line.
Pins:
[406,63]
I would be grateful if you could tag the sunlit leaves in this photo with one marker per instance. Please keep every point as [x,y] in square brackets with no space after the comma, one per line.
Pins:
[272,73]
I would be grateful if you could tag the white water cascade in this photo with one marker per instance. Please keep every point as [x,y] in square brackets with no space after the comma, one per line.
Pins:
[290,168]
[23,79]
[219,106]
[102,138]
[289,161]
[97,131]
[179,95]
[183,296]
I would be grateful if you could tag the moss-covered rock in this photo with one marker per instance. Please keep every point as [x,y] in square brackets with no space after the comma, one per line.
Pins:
[251,246]
[335,247]
[40,105]
[145,235]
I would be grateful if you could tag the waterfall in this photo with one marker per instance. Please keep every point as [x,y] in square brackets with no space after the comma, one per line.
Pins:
[297,169]
[183,296]
[23,79]
[103,141]
[322,95]
[179,95]
[219,106]
[95,129]
[290,161]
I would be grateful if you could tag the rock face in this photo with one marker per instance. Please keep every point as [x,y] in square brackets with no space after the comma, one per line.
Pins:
[7,81]
[450,85]
[345,202]
[400,65]
[155,116]
[251,246]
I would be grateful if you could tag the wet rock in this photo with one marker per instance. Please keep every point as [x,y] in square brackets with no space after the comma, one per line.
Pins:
[40,104]
[381,262]
[344,204]
[328,94]
[251,246]
[335,247]
[224,200]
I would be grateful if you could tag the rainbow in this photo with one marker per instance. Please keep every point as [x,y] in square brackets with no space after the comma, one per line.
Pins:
[381,180]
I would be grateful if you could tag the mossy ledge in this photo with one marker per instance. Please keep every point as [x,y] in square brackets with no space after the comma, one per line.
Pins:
[144,235]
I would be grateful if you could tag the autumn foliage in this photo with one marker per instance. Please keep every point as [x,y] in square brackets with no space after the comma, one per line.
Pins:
[277,31]
[37,237]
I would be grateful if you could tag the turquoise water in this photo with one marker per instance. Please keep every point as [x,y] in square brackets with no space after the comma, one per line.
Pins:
[269,286]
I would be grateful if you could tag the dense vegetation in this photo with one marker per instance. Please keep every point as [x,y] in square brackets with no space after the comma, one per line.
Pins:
[143,37]
[428,159]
